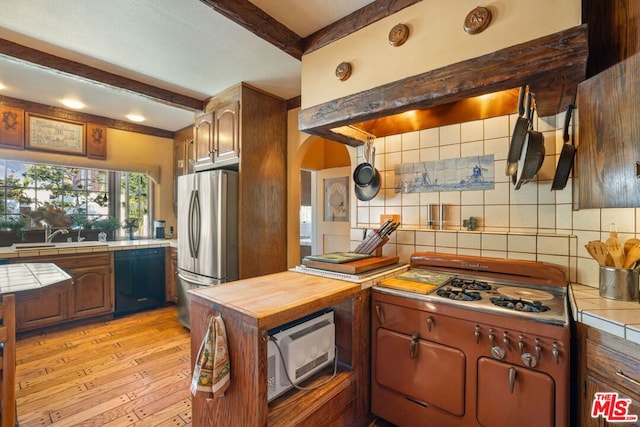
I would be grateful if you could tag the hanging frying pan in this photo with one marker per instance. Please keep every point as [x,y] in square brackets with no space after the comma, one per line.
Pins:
[532,155]
[519,133]
[566,155]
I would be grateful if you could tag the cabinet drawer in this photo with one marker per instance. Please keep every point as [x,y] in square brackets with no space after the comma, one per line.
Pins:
[619,369]
[431,326]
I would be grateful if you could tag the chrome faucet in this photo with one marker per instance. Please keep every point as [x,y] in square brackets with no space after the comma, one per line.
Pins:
[48,235]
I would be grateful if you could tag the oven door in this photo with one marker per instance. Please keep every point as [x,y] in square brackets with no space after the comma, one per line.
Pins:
[511,395]
[428,373]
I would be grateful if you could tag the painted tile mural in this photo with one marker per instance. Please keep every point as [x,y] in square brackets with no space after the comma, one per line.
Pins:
[458,174]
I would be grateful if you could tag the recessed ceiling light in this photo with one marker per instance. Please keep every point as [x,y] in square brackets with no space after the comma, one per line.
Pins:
[135,118]
[72,103]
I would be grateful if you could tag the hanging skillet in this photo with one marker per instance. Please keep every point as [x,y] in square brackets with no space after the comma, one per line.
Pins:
[519,133]
[532,155]
[566,155]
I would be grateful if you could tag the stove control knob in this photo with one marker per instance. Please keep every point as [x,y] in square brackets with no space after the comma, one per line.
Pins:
[498,352]
[477,334]
[505,339]
[529,360]
[521,344]
[492,337]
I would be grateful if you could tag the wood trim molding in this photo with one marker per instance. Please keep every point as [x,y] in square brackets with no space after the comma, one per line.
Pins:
[85,72]
[353,22]
[552,66]
[61,113]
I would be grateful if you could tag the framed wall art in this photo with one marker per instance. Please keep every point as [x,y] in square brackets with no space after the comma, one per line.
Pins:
[57,135]
[336,199]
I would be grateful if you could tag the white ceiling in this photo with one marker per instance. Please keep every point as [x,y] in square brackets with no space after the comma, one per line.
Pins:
[179,45]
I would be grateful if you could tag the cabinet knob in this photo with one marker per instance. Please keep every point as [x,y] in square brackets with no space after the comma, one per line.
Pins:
[413,345]
[430,323]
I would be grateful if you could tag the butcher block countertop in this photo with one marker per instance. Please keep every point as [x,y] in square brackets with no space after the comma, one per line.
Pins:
[271,300]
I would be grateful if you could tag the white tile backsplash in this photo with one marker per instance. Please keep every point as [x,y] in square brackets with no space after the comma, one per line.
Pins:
[532,223]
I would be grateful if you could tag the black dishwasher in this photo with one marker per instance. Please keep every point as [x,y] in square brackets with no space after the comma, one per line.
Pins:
[139,279]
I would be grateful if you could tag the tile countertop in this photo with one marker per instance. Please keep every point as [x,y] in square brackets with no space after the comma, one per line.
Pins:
[85,247]
[621,318]
[23,277]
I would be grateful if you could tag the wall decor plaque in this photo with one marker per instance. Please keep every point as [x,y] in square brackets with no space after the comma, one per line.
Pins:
[343,71]
[57,135]
[336,199]
[398,35]
[11,127]
[96,141]
[477,20]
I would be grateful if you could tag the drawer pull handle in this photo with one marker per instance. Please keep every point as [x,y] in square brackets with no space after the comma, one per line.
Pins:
[379,314]
[413,346]
[626,377]
[430,323]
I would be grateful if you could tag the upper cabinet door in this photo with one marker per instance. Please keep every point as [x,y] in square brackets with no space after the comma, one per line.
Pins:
[203,138]
[226,134]
[608,155]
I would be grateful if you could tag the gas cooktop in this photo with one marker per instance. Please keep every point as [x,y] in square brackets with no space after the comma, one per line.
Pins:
[546,304]
[527,289]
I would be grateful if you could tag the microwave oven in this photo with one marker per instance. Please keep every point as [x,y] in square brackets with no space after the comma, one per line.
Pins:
[299,349]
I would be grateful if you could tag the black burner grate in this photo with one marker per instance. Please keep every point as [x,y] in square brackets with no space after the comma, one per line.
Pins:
[519,305]
[458,294]
[470,284]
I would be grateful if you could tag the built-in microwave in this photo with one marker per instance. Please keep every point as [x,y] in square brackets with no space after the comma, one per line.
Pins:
[299,349]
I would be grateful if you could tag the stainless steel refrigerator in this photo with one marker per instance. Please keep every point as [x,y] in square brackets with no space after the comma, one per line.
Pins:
[207,232]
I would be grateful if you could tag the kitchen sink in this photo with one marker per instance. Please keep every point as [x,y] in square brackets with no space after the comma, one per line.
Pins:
[60,245]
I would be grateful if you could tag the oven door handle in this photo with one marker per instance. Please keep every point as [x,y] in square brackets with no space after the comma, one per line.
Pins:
[513,374]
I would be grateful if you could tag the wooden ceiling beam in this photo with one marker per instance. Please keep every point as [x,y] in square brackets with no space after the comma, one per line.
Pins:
[254,19]
[353,22]
[77,70]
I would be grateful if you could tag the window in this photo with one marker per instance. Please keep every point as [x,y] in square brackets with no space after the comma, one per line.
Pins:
[84,194]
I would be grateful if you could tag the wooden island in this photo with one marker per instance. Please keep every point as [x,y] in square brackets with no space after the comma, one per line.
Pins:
[250,308]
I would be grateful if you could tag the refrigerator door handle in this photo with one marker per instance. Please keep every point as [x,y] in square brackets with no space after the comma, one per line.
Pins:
[194,224]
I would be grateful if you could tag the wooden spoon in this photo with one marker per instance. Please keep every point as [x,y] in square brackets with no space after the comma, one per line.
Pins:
[615,249]
[633,255]
[598,251]
[630,243]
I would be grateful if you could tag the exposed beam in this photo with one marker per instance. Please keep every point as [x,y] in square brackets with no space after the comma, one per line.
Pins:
[353,22]
[552,66]
[61,113]
[254,19]
[78,70]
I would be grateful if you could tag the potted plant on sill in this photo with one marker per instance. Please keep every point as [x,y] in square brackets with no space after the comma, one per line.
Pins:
[109,225]
[13,230]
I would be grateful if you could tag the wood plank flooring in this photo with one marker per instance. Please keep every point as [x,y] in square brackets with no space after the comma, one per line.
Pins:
[129,371]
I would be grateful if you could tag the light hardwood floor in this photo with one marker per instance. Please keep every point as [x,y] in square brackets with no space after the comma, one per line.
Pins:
[129,371]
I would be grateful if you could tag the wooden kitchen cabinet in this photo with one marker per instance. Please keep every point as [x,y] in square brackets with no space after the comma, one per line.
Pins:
[607,364]
[250,136]
[42,307]
[608,155]
[89,293]
[171,285]
[203,129]
[183,159]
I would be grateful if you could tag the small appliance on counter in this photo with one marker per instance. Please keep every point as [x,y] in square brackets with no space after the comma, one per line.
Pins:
[158,228]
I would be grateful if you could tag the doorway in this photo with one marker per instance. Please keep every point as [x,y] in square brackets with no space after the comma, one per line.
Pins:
[324,227]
